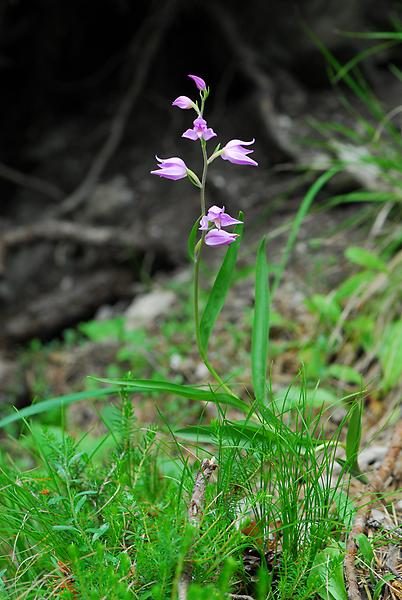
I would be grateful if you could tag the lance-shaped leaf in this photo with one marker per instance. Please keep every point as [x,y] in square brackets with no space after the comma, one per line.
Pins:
[191,239]
[259,343]
[186,391]
[57,402]
[217,296]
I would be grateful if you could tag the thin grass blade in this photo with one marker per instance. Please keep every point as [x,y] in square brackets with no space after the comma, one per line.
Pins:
[185,391]
[259,343]
[57,402]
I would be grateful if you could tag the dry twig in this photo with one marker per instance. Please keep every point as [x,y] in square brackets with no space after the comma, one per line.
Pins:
[55,231]
[195,512]
[30,182]
[376,487]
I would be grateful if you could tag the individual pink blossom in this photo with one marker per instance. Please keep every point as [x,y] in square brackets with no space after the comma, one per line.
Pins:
[200,83]
[200,130]
[220,237]
[235,153]
[218,217]
[171,168]
[183,102]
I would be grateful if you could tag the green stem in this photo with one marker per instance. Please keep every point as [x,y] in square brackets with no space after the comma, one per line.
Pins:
[197,260]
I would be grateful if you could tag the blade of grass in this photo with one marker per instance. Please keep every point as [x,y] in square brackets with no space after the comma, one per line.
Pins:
[185,391]
[260,334]
[298,220]
[57,402]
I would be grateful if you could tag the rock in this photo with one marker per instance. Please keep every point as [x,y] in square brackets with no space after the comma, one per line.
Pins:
[144,309]
[372,457]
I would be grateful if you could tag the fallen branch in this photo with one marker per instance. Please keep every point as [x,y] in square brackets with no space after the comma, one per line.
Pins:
[376,487]
[84,234]
[30,181]
[195,512]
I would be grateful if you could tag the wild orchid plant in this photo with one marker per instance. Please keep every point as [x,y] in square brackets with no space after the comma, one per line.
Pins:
[213,222]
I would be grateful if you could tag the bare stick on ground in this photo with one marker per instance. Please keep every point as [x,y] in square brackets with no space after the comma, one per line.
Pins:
[375,487]
[195,512]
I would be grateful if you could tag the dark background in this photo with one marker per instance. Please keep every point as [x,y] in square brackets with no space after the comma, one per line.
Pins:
[86,88]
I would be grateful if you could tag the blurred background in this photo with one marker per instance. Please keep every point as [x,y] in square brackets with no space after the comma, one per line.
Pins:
[87,232]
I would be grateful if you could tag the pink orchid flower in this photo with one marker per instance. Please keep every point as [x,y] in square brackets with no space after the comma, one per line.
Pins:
[200,130]
[218,217]
[220,237]
[171,168]
[184,102]
[200,83]
[235,153]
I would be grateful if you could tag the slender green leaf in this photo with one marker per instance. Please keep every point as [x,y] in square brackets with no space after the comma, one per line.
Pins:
[354,471]
[363,196]
[57,402]
[344,373]
[390,355]
[365,258]
[186,391]
[298,220]
[259,343]
[345,507]
[353,62]
[237,430]
[219,291]
[353,436]
[365,548]
[328,572]
[325,306]
[191,239]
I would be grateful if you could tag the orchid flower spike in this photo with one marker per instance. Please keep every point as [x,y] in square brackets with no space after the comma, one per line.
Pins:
[220,237]
[235,153]
[200,130]
[171,168]
[200,83]
[184,102]
[218,217]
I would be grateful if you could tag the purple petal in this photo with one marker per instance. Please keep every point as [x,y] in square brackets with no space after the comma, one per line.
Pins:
[238,158]
[200,123]
[199,82]
[175,160]
[170,173]
[215,212]
[208,134]
[183,102]
[190,134]
[171,168]
[204,223]
[226,220]
[219,237]
[238,143]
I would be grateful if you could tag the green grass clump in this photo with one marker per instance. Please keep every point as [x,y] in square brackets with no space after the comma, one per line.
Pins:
[113,524]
